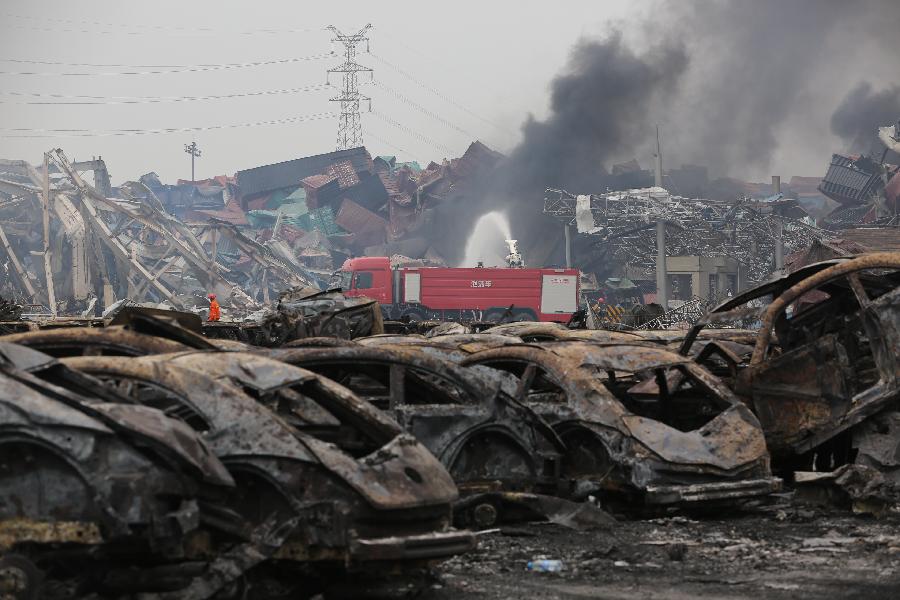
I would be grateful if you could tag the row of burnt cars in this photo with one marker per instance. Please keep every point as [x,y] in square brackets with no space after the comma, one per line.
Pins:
[143,457]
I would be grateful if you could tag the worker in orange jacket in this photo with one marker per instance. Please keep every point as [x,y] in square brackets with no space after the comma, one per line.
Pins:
[214,312]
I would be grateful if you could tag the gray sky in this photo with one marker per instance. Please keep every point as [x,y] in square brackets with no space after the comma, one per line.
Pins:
[445,74]
[473,67]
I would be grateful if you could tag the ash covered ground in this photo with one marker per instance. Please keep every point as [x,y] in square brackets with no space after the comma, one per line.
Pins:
[782,553]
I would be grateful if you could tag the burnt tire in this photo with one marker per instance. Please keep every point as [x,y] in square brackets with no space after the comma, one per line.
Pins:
[20,579]
[586,460]
[491,457]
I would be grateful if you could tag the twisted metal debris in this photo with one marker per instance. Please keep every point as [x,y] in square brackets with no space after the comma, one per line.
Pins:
[620,225]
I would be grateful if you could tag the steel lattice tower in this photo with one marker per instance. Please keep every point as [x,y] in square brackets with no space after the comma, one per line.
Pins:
[350,127]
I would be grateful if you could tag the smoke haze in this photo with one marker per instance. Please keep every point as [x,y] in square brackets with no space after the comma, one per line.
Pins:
[599,109]
[861,113]
[734,86]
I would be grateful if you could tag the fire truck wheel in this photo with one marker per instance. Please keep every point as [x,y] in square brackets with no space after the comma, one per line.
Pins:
[523,315]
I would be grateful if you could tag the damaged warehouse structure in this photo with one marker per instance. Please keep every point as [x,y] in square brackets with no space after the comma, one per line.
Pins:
[112,248]
[72,248]
[688,254]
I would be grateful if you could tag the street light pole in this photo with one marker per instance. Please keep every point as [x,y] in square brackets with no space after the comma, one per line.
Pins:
[662,276]
[195,152]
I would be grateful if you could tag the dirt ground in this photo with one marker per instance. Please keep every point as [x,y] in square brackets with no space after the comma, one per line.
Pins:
[776,554]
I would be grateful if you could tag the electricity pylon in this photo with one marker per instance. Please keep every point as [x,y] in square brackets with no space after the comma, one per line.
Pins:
[350,126]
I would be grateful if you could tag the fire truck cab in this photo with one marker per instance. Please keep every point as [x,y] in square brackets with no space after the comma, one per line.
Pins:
[451,294]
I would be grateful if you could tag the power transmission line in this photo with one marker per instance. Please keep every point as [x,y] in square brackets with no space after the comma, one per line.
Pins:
[167,70]
[421,137]
[437,60]
[422,109]
[27,132]
[440,95]
[119,28]
[350,125]
[385,142]
[64,99]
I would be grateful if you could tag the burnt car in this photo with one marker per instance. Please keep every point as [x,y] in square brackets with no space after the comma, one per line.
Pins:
[299,315]
[489,442]
[132,331]
[526,329]
[642,425]
[823,376]
[101,497]
[373,499]
[106,341]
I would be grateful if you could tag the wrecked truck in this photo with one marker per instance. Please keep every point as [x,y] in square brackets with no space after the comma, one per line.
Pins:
[642,426]
[373,500]
[299,315]
[823,376]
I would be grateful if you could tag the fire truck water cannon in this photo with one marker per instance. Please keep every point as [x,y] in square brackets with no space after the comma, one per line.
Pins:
[514,259]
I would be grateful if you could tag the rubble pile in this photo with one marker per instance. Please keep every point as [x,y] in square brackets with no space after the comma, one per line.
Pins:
[298,316]
[171,461]
[721,239]
[620,228]
[72,248]
[9,311]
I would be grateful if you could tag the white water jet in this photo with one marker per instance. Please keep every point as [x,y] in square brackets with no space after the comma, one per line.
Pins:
[487,241]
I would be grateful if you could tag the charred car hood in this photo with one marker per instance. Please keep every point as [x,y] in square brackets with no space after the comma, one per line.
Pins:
[730,441]
[19,404]
[401,474]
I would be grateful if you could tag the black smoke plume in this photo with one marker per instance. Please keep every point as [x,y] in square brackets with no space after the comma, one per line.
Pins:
[732,84]
[600,108]
[861,113]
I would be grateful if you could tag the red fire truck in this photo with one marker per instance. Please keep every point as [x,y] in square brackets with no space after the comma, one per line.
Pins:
[481,293]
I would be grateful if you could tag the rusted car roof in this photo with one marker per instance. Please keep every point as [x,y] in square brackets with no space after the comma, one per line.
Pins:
[617,356]
[265,375]
[239,426]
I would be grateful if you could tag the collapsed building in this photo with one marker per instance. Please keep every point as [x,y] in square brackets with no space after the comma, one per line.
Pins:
[69,247]
[712,248]
[73,248]
[651,244]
